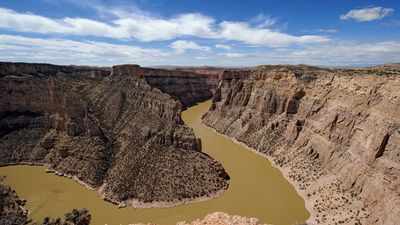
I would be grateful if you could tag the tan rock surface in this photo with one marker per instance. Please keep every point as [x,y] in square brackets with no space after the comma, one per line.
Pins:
[220,218]
[334,133]
[117,133]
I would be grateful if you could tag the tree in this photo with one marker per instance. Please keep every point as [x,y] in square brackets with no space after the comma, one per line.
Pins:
[78,217]
[75,217]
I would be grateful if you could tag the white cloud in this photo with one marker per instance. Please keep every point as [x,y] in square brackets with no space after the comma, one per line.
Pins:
[233,55]
[136,25]
[367,14]
[327,30]
[264,21]
[143,27]
[221,46]
[238,31]
[352,53]
[181,46]
[64,51]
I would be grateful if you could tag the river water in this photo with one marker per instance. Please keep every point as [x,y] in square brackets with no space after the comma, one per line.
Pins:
[256,189]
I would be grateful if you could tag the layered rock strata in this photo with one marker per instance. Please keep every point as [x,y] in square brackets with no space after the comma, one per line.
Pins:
[119,134]
[187,87]
[335,133]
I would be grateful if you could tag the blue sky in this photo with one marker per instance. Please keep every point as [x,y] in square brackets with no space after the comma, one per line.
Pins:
[197,33]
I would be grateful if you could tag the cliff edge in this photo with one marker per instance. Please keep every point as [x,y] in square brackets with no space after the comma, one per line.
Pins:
[334,133]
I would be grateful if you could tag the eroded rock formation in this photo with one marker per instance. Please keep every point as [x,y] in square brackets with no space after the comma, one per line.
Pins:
[12,209]
[117,132]
[334,133]
[187,87]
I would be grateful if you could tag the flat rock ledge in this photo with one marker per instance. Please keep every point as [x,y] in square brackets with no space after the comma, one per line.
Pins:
[221,218]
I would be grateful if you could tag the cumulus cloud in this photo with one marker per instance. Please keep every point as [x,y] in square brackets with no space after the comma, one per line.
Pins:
[181,46]
[64,51]
[144,27]
[367,14]
[221,46]
[138,26]
[239,31]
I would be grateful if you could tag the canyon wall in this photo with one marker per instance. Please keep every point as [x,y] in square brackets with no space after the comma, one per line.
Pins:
[114,132]
[187,87]
[334,133]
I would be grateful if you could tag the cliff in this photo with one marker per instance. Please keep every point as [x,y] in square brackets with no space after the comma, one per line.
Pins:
[187,87]
[333,132]
[12,209]
[117,133]
[43,69]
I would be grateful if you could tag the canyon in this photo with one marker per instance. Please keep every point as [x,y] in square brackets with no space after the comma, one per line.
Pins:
[109,129]
[333,132]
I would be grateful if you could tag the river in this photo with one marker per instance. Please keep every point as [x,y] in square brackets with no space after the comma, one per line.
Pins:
[256,189]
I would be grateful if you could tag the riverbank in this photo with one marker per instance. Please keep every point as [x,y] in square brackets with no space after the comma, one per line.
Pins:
[325,189]
[256,189]
[148,205]
[130,202]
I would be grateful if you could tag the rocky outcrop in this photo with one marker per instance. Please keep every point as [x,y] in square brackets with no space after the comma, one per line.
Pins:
[220,218]
[119,134]
[335,133]
[12,209]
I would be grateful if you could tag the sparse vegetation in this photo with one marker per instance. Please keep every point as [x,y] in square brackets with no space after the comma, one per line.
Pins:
[75,217]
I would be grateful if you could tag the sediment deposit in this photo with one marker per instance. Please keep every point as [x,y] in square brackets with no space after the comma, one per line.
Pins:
[334,133]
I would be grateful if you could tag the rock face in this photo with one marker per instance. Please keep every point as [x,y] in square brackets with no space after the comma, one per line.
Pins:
[118,133]
[334,133]
[39,69]
[187,87]
[12,209]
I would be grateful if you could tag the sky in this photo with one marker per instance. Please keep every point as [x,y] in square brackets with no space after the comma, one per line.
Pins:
[199,33]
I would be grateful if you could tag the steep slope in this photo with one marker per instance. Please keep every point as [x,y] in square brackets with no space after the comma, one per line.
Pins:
[334,133]
[12,209]
[117,133]
[187,87]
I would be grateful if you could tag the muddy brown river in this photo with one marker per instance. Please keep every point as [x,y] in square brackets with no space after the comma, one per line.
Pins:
[256,189]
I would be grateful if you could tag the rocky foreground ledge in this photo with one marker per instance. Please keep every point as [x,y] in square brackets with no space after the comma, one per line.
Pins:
[118,130]
[220,218]
[334,133]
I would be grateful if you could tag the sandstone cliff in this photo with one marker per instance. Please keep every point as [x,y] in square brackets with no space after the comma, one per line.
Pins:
[118,133]
[334,133]
[187,87]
